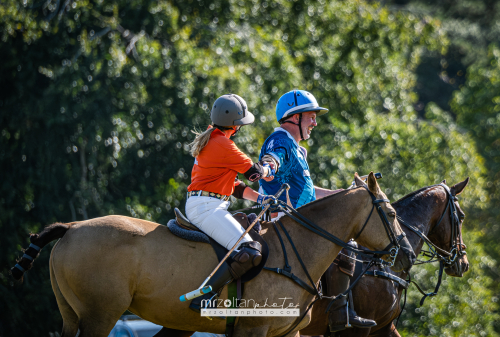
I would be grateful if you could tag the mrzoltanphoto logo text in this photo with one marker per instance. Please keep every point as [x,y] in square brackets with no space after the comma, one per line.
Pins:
[249,308]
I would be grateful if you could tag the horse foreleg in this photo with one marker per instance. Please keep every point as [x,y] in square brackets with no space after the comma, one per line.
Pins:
[394,332]
[166,332]
[386,331]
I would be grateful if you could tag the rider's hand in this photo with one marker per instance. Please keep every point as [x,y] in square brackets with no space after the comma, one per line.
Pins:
[270,171]
[266,199]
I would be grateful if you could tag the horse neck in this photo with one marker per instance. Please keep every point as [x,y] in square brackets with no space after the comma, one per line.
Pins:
[338,215]
[415,211]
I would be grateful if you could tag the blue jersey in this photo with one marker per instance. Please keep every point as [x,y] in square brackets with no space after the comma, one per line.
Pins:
[293,168]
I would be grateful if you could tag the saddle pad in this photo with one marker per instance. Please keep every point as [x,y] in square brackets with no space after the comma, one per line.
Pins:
[187,234]
[221,251]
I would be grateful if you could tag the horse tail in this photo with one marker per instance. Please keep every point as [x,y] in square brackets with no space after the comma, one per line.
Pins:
[38,241]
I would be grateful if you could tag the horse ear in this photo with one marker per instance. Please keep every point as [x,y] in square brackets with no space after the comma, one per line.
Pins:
[458,188]
[443,182]
[358,180]
[372,183]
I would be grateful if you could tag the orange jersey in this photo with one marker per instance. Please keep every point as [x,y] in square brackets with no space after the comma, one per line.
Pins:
[217,165]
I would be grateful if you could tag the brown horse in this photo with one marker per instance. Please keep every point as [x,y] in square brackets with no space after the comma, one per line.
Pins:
[379,299]
[104,266]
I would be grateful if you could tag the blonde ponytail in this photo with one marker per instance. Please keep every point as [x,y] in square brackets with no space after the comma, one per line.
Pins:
[200,141]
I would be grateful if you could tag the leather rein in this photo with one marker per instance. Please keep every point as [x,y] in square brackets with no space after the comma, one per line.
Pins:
[445,258]
[392,249]
[457,248]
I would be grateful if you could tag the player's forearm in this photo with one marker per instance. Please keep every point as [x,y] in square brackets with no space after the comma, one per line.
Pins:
[250,194]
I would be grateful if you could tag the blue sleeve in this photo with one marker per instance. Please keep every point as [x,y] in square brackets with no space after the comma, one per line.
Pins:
[278,148]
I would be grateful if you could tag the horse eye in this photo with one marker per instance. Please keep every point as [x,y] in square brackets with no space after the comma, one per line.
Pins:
[392,214]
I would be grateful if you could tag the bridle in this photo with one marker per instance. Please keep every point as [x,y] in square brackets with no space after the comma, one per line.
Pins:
[435,253]
[392,249]
[457,248]
[394,246]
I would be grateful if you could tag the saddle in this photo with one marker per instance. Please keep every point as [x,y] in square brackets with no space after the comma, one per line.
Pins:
[188,229]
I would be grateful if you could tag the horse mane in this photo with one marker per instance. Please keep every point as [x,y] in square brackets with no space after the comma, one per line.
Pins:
[413,194]
[327,197]
[409,195]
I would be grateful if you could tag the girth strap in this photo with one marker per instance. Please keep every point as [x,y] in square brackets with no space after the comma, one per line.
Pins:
[287,267]
[299,258]
[313,291]
[389,276]
[287,270]
[293,278]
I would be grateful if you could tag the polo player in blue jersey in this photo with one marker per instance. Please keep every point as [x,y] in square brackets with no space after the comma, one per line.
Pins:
[296,111]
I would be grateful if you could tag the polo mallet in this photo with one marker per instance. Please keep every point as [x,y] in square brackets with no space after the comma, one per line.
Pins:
[206,289]
[353,184]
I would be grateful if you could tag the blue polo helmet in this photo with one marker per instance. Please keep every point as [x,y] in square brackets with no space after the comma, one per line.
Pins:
[296,102]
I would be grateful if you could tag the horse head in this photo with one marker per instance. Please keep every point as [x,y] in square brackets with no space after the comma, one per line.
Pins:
[388,229]
[448,233]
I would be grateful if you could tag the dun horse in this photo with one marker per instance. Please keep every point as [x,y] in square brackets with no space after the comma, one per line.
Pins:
[378,298]
[101,267]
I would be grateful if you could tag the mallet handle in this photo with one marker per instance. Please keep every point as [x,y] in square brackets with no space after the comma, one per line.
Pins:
[198,292]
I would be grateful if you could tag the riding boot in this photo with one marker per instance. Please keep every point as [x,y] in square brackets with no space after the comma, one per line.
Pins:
[342,314]
[221,277]
[247,257]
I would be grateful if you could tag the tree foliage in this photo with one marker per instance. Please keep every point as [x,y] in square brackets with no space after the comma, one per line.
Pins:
[465,306]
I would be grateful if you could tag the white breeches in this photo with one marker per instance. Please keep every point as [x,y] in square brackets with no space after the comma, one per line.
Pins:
[211,216]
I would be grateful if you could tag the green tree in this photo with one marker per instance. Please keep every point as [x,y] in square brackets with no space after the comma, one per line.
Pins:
[470,26]
[465,306]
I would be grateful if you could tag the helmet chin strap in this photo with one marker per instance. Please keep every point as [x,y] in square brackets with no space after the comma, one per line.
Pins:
[236,131]
[224,128]
[299,125]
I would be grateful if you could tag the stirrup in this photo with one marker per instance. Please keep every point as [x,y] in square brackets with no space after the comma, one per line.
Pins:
[340,325]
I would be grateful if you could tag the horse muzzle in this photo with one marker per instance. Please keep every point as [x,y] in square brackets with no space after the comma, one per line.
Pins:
[459,267]
[406,256]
